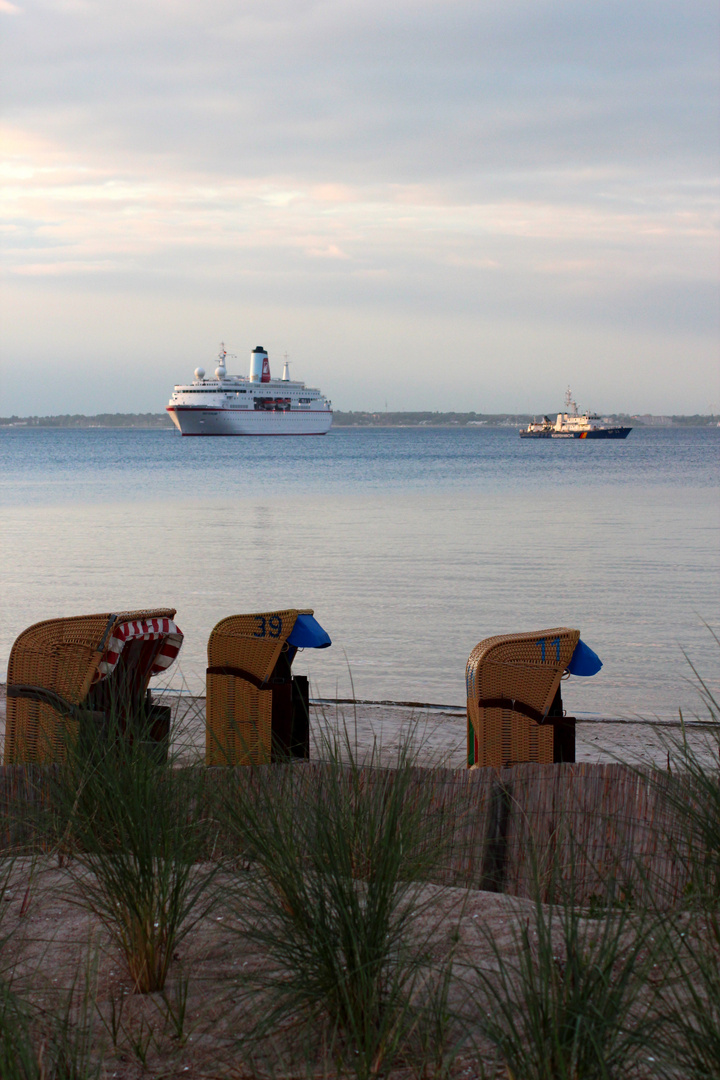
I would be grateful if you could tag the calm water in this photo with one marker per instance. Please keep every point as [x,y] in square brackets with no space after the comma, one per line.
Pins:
[411,545]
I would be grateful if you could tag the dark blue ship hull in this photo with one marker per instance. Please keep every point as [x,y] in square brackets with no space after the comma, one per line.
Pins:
[597,433]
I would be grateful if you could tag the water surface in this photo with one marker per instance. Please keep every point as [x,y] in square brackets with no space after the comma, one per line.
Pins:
[410,544]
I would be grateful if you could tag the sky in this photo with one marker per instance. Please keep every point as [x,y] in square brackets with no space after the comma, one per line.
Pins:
[427,204]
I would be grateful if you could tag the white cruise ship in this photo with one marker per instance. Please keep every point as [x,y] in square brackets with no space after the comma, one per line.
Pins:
[249,405]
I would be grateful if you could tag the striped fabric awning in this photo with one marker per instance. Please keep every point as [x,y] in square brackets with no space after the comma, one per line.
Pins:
[142,630]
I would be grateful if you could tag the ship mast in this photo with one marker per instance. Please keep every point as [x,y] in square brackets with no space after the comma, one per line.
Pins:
[569,403]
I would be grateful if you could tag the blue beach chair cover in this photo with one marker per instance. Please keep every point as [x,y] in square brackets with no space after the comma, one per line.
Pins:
[307,633]
[584,661]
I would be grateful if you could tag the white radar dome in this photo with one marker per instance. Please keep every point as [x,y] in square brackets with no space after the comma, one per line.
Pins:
[220,371]
[199,373]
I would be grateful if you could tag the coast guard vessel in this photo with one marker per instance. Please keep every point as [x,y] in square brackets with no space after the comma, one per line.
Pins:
[255,404]
[573,425]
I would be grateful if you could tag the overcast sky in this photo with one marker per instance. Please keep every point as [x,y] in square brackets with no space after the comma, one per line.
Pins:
[434,204]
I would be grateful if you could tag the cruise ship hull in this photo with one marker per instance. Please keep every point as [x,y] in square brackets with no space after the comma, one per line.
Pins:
[193,420]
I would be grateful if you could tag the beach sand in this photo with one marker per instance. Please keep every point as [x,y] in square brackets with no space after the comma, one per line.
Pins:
[54,943]
[438,734]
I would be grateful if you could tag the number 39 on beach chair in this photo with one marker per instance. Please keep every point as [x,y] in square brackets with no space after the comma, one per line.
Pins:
[514,705]
[257,711]
[88,669]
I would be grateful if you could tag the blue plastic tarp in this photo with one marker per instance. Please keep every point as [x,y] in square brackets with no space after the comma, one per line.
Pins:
[584,661]
[307,633]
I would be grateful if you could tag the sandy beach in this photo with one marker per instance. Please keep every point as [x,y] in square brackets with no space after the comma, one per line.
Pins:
[53,937]
[437,733]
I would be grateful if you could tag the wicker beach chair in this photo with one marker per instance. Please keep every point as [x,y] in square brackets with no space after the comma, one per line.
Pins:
[257,711]
[84,669]
[514,705]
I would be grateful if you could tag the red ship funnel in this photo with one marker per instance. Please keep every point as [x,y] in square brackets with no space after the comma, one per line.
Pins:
[265,377]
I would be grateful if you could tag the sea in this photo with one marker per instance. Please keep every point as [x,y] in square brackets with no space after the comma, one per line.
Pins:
[410,544]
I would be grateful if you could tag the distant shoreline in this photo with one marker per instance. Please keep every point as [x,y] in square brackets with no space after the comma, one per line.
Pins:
[161,421]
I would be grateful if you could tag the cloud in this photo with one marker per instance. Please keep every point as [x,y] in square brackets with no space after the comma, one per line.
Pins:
[540,171]
[403,91]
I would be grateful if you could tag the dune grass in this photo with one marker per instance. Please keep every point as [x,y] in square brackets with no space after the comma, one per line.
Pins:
[43,1044]
[16,1052]
[138,832]
[336,902]
[691,994]
[574,997]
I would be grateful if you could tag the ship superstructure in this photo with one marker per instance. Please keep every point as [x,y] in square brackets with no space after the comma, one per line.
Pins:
[572,424]
[255,404]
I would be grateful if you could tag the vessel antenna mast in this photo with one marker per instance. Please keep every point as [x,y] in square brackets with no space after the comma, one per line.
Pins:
[569,403]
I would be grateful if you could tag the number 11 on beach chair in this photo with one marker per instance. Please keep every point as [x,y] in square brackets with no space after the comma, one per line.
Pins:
[257,710]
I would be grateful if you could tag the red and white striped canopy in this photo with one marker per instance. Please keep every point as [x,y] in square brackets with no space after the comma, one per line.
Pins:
[142,630]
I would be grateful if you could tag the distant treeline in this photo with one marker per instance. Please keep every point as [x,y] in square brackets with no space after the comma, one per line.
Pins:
[711,420]
[349,419]
[104,420]
[445,419]
[425,419]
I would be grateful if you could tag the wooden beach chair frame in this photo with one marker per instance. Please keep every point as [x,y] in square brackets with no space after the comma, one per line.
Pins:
[514,704]
[64,671]
[256,710]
